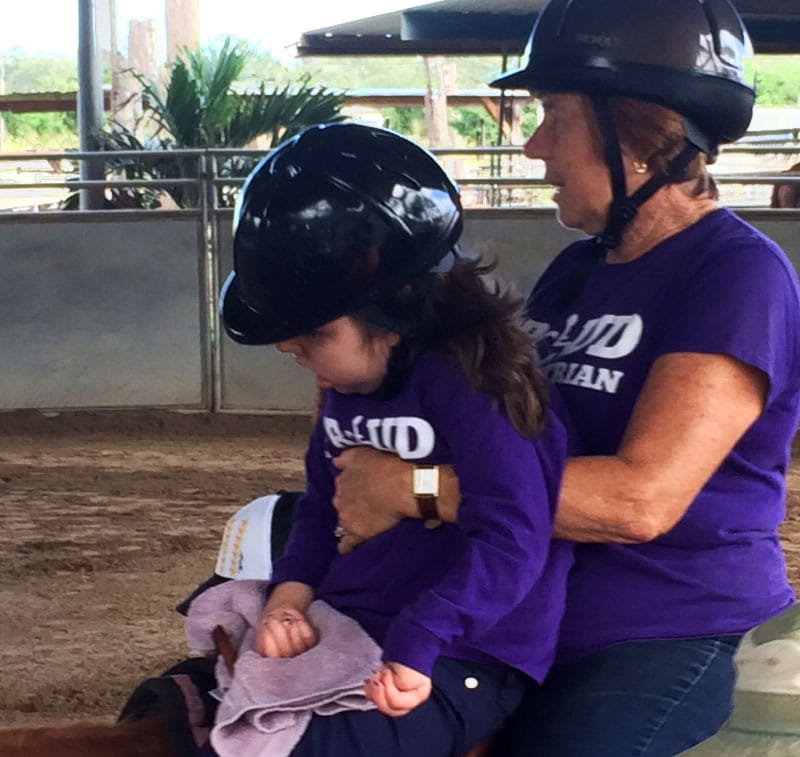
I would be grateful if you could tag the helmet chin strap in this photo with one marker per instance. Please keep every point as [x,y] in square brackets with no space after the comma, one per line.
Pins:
[624,207]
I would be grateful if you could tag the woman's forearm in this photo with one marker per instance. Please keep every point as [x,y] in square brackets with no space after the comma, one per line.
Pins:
[692,411]
[608,499]
[374,490]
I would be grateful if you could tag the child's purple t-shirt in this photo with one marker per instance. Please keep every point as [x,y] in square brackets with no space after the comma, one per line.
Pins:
[488,589]
[719,286]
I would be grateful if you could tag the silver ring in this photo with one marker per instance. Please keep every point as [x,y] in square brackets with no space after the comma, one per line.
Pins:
[339,532]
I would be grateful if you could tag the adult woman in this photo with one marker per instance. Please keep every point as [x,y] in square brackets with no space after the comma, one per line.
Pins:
[674,338]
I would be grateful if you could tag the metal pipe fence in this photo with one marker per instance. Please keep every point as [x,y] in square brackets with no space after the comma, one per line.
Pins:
[489,177]
[87,292]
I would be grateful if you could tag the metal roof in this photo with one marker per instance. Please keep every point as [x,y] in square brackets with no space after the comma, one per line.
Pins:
[475,27]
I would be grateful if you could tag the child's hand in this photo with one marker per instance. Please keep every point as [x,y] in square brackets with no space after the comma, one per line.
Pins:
[284,632]
[397,689]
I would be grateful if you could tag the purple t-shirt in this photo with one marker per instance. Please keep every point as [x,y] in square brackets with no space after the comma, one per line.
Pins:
[490,588]
[719,286]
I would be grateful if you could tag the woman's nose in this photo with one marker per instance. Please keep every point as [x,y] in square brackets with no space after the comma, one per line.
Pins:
[533,148]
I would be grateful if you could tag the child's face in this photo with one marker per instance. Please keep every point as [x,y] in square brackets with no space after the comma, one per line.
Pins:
[342,356]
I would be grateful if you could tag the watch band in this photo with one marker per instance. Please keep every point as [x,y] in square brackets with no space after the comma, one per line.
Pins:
[427,508]
[426,490]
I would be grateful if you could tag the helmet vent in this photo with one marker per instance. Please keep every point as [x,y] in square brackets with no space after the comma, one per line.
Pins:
[712,25]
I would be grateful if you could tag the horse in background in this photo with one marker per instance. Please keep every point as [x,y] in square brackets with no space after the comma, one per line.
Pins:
[787,195]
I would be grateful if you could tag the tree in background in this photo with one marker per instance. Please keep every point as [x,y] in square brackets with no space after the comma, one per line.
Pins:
[200,106]
[778,84]
[473,124]
[408,121]
[777,80]
[39,73]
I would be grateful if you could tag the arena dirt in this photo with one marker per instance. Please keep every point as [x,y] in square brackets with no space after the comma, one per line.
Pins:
[107,520]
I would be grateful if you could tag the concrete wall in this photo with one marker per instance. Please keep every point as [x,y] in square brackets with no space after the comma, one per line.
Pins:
[252,378]
[108,310]
[101,310]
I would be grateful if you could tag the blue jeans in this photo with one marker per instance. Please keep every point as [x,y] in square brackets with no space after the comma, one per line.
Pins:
[449,723]
[637,699]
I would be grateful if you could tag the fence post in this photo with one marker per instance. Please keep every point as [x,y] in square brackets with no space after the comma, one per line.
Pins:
[90,103]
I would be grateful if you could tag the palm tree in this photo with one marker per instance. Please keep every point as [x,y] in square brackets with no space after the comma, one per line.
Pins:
[200,107]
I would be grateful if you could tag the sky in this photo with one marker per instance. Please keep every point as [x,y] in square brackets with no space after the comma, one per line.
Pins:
[51,26]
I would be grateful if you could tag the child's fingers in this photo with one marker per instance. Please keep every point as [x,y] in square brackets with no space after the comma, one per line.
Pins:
[403,700]
[382,688]
[404,677]
[301,636]
[276,640]
[375,691]
[284,637]
[267,644]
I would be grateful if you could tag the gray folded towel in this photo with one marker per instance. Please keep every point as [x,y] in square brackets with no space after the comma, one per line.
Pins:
[268,703]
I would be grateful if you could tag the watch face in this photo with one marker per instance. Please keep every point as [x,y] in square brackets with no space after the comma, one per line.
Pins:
[426,481]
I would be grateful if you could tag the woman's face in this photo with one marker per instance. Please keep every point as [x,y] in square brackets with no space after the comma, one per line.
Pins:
[573,163]
[342,356]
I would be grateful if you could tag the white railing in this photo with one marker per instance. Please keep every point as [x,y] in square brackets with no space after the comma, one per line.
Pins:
[489,177]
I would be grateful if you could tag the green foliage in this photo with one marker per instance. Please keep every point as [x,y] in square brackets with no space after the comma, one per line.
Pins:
[23,73]
[39,73]
[261,67]
[408,121]
[475,125]
[200,107]
[530,120]
[777,79]
[400,72]
[41,131]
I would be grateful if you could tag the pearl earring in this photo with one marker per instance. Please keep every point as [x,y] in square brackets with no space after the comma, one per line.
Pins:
[639,166]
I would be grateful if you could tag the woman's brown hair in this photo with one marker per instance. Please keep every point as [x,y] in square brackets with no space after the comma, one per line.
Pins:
[655,135]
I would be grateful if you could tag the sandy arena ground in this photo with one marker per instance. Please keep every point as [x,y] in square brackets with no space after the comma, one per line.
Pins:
[108,520]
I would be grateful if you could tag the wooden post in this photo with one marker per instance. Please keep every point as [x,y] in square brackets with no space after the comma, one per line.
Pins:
[436,89]
[182,26]
[141,60]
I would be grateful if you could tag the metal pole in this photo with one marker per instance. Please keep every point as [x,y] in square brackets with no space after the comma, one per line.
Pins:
[2,92]
[90,102]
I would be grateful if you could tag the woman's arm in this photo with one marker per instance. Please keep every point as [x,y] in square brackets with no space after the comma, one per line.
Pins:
[374,491]
[692,410]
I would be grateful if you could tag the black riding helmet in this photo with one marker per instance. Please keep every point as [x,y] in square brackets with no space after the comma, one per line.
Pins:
[333,222]
[686,55]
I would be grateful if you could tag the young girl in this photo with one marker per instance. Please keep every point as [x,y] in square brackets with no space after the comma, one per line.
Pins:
[345,258]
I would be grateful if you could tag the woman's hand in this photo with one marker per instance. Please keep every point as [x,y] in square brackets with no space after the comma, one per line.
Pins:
[397,689]
[373,493]
[285,631]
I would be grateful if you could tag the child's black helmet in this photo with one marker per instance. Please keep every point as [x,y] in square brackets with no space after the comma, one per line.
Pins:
[332,221]
[686,55]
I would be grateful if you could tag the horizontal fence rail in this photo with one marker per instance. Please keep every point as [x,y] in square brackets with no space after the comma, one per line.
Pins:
[484,169]
[118,308]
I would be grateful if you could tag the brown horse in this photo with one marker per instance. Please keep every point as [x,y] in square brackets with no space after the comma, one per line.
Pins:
[141,738]
[148,737]
[787,195]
